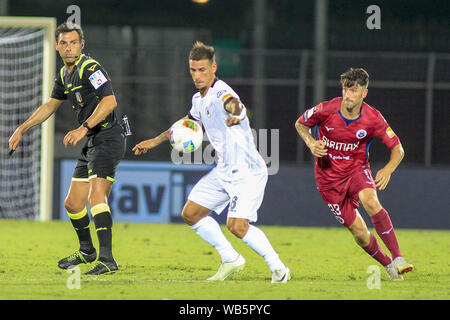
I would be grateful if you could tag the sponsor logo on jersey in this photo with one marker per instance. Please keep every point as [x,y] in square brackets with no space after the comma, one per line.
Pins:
[221,92]
[340,146]
[97,79]
[92,68]
[338,157]
[361,133]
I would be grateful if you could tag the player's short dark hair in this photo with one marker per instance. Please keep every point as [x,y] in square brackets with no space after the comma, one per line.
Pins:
[201,51]
[355,76]
[68,27]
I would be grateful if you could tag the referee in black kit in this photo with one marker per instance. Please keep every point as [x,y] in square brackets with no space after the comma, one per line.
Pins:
[87,86]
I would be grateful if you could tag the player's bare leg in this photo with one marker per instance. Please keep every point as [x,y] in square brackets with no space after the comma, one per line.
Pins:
[369,243]
[238,226]
[360,231]
[99,190]
[193,212]
[384,228]
[257,240]
[77,196]
[75,204]
[197,217]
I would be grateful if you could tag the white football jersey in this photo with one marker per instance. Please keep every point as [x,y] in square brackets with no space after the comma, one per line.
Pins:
[235,147]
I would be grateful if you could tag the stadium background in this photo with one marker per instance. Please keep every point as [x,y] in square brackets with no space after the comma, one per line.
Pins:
[268,52]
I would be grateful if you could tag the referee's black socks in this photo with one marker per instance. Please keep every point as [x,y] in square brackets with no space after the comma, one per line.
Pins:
[103,225]
[80,222]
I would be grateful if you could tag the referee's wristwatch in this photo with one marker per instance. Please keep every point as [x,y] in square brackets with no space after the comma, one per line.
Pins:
[85,124]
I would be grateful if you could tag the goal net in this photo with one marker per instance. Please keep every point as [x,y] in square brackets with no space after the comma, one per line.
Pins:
[27,70]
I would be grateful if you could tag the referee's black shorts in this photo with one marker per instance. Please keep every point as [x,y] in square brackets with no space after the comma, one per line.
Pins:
[101,155]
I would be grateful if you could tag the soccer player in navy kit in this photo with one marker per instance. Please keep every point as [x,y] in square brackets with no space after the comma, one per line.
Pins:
[87,86]
[346,126]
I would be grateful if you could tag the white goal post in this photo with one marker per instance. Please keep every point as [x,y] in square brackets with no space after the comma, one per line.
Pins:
[48,25]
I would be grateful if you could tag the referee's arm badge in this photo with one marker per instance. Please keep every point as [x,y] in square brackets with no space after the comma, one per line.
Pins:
[97,79]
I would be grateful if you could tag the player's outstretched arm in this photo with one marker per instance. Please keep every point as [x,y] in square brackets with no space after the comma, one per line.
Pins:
[145,145]
[237,110]
[37,117]
[317,147]
[103,109]
[384,175]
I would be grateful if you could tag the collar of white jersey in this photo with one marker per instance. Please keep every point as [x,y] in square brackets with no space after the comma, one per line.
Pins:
[211,86]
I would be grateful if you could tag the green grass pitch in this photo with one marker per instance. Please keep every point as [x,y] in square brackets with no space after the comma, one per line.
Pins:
[159,261]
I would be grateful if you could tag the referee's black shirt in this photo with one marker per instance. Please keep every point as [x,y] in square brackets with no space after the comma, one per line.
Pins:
[84,87]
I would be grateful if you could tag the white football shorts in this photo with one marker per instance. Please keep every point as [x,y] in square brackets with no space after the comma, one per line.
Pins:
[244,195]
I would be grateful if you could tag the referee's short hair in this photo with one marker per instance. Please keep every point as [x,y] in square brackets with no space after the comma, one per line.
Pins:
[202,51]
[355,75]
[68,27]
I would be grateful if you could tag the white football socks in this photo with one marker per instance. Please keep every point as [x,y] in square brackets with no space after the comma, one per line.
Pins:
[209,230]
[257,240]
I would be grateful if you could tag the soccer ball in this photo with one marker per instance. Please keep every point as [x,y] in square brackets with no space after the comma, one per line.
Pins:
[185,135]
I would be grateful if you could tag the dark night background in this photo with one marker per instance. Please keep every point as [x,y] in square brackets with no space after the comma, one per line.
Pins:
[396,57]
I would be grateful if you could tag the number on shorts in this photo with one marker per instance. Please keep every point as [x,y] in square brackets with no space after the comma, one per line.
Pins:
[334,207]
[233,204]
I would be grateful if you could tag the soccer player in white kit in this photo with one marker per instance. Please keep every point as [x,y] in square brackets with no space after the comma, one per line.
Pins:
[239,179]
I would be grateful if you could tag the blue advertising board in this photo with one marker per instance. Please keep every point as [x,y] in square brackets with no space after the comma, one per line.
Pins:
[155,192]
[150,192]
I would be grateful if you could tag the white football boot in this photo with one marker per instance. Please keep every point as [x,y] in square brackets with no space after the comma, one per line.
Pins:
[226,269]
[392,272]
[281,275]
[402,266]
